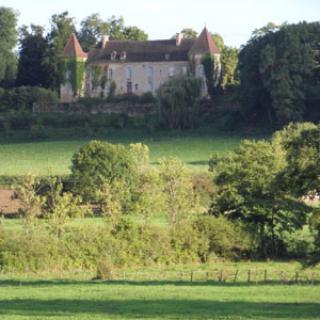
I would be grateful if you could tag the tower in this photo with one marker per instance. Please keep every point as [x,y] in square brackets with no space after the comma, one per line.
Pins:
[74,70]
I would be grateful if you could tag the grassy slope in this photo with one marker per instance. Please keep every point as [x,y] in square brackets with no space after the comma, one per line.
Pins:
[21,156]
[97,300]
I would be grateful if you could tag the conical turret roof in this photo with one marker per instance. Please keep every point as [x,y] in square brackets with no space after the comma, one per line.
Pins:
[205,44]
[73,48]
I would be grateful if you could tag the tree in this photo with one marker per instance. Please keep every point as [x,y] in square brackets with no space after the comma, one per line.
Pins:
[217,38]
[208,62]
[177,101]
[62,26]
[8,40]
[61,206]
[148,192]
[189,33]
[301,143]
[33,48]
[92,28]
[249,190]
[31,202]
[98,163]
[180,202]
[229,67]
[134,33]
[279,72]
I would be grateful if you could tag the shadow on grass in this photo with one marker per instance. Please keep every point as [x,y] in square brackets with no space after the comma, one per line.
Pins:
[171,308]
[59,282]
[199,163]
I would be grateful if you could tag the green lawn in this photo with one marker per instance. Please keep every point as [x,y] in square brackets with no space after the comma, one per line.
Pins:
[21,156]
[56,299]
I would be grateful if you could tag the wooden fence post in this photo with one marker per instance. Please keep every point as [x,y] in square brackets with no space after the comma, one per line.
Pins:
[236,276]
[249,276]
[265,277]
[191,276]
[221,275]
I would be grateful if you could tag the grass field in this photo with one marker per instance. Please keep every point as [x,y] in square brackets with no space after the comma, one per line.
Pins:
[19,156]
[57,299]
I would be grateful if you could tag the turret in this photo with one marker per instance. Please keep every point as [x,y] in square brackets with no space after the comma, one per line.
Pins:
[74,69]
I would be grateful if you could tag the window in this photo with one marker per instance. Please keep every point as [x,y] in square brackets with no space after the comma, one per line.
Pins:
[171,71]
[200,71]
[150,72]
[150,85]
[110,74]
[113,55]
[123,56]
[167,56]
[129,73]
[136,87]
[184,70]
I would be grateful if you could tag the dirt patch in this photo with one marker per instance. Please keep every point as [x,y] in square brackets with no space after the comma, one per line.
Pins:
[9,205]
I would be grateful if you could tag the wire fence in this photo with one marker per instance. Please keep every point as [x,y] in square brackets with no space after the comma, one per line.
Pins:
[223,276]
[216,276]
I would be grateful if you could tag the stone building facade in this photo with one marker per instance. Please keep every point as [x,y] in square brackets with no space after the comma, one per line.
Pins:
[137,67]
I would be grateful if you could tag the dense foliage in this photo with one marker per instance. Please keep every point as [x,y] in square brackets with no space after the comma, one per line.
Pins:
[279,73]
[99,162]
[32,71]
[8,40]
[23,98]
[177,101]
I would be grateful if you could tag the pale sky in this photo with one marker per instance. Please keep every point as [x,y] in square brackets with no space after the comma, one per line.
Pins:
[160,19]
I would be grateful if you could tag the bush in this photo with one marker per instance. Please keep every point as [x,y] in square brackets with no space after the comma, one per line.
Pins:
[225,238]
[98,162]
[23,98]
[177,102]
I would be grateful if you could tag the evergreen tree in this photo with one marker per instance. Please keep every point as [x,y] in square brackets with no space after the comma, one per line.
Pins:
[8,40]
[33,47]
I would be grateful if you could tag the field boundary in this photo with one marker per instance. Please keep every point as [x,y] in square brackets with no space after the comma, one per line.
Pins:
[223,276]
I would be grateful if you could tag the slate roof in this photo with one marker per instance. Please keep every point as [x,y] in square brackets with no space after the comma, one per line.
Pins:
[139,51]
[144,51]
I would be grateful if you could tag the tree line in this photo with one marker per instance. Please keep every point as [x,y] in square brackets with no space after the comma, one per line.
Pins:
[255,202]
[274,76]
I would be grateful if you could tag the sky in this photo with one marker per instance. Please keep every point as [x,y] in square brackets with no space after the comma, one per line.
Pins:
[233,19]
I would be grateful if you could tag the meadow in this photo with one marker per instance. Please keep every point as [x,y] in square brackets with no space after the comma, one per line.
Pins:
[21,155]
[81,299]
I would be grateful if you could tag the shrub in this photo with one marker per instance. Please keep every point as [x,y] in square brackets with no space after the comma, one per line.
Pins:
[225,238]
[104,270]
[98,162]
[23,98]
[177,102]
[180,201]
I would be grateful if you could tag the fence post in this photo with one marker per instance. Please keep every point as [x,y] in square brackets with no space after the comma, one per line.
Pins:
[221,275]
[207,276]
[265,277]
[249,276]
[191,276]
[236,276]
[297,277]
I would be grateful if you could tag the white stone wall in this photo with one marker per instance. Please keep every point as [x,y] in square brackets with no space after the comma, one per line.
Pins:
[144,76]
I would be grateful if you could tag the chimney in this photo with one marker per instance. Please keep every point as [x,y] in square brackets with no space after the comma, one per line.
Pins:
[104,40]
[179,37]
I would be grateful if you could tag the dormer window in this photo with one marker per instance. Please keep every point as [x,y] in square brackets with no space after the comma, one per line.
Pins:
[113,55]
[123,56]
